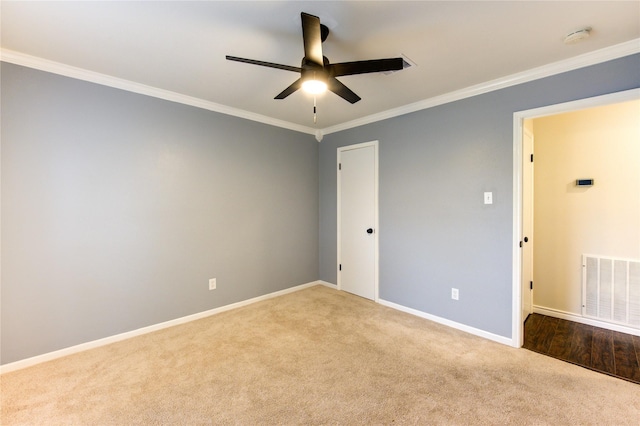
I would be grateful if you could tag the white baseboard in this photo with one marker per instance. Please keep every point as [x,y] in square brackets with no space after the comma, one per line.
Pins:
[583,320]
[18,365]
[439,320]
[328,284]
[449,323]
[28,362]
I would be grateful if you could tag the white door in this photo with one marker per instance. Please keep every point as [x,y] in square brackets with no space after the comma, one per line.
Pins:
[527,224]
[357,219]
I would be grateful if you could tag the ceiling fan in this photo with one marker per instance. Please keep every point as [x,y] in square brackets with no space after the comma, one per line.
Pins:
[316,73]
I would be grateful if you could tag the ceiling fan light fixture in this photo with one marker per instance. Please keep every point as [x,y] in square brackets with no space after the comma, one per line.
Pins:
[314,87]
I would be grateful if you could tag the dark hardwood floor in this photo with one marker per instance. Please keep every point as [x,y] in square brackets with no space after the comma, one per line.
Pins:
[599,349]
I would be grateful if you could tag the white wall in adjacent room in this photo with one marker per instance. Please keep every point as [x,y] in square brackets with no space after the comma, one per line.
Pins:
[604,219]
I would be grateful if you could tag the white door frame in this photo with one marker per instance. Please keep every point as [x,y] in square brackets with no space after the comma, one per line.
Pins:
[376,233]
[517,326]
[527,231]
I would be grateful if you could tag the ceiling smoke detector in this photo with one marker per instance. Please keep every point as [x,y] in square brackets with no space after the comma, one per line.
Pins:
[577,36]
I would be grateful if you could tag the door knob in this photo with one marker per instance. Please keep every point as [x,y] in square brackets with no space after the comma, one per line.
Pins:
[526,239]
[370,231]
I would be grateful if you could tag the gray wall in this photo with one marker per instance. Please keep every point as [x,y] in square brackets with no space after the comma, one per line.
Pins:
[435,232]
[117,208]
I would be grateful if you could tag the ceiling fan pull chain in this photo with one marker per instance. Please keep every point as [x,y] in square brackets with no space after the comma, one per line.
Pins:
[315,115]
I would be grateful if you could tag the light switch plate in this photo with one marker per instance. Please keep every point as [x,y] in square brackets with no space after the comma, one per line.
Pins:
[488,197]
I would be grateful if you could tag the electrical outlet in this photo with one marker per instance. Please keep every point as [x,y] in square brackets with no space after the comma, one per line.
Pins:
[212,284]
[454,293]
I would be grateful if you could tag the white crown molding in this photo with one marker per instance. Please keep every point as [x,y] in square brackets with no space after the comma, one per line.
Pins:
[613,52]
[592,58]
[41,64]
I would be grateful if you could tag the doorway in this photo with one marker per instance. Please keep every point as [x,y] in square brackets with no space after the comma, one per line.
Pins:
[519,266]
[358,219]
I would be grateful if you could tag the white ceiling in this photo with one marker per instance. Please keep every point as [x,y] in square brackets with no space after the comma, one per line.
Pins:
[181,46]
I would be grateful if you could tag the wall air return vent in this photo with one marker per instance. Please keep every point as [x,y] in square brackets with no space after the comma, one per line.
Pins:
[611,290]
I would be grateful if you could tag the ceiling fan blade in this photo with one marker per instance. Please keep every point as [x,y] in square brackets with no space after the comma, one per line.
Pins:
[264,64]
[312,38]
[341,90]
[363,67]
[289,90]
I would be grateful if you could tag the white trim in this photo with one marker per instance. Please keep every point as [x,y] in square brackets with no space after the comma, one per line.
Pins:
[34,62]
[517,333]
[18,365]
[596,101]
[607,54]
[328,284]
[448,323]
[517,322]
[583,320]
[376,234]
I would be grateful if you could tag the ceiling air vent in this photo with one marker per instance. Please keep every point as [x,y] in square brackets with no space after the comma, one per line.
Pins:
[406,63]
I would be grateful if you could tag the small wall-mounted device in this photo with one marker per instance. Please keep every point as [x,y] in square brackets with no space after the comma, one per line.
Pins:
[584,182]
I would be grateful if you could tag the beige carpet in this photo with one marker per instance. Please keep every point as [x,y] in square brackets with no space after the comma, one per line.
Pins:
[317,356]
